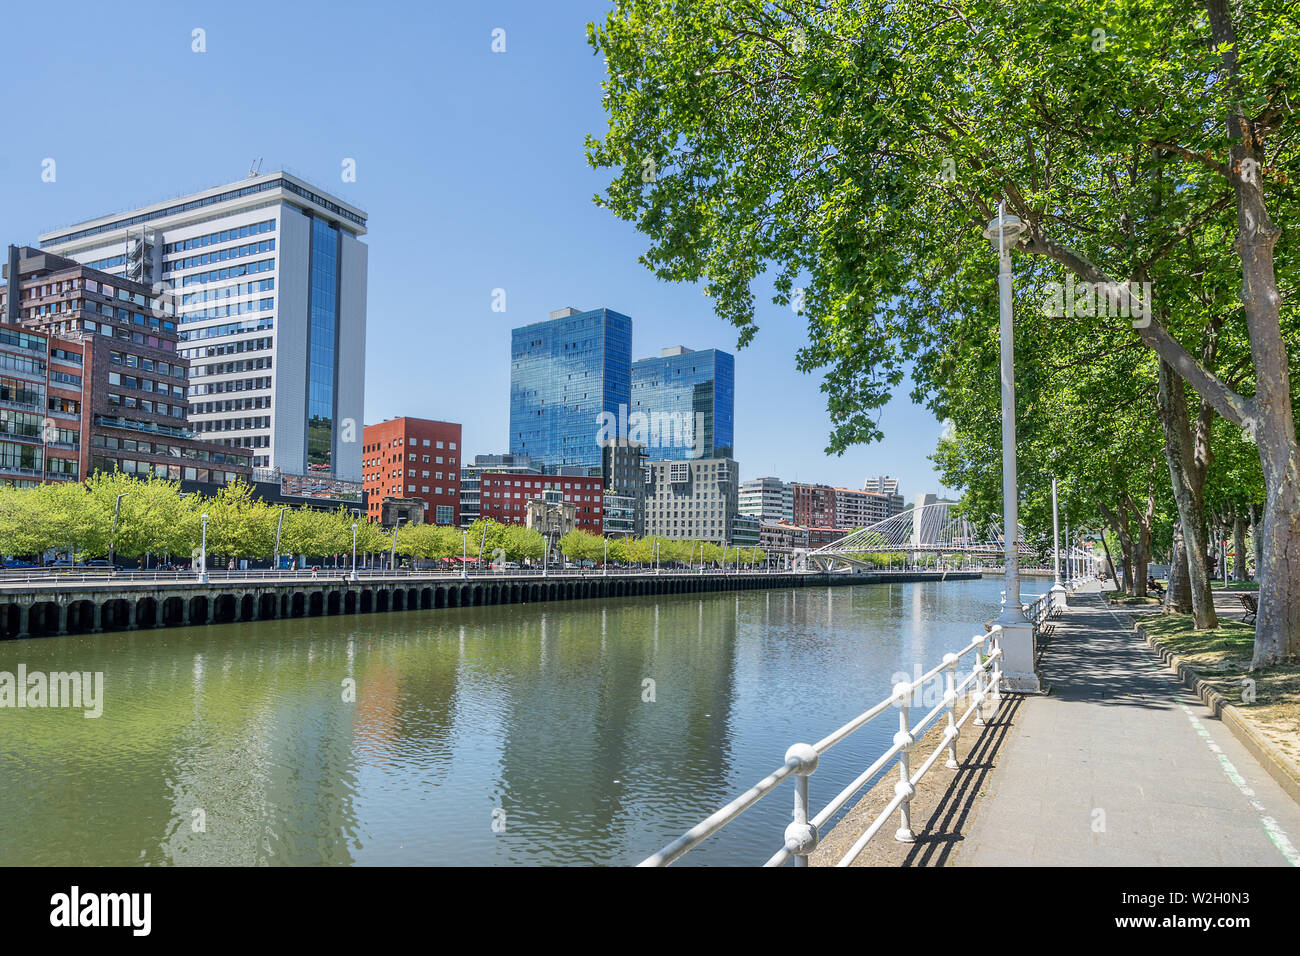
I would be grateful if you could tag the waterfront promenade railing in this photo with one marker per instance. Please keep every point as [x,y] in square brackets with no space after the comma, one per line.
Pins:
[12,577]
[1039,610]
[801,836]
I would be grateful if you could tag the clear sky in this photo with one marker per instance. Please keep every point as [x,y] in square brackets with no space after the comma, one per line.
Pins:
[470,164]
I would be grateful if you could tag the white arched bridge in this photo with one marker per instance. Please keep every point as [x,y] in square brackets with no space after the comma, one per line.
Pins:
[932,528]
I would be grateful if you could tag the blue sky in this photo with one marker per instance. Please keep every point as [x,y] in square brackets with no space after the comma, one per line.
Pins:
[470,164]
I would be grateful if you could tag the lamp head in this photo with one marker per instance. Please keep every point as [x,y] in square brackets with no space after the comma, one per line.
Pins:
[1005,232]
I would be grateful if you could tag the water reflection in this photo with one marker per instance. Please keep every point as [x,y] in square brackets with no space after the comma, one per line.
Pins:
[242,744]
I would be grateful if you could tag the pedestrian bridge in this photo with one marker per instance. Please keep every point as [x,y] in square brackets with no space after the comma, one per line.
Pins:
[933,528]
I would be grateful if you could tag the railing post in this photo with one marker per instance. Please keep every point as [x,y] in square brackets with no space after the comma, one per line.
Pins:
[801,836]
[904,741]
[979,642]
[950,698]
[995,676]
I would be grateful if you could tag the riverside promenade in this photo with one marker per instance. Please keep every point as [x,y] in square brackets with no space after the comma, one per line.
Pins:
[1119,764]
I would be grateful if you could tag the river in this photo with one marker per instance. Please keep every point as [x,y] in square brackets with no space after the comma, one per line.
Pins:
[521,734]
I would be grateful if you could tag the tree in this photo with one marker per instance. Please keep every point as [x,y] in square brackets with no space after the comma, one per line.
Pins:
[240,525]
[372,538]
[21,531]
[66,517]
[152,518]
[522,544]
[863,147]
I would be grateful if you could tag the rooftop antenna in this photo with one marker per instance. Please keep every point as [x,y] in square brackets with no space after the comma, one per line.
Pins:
[255,169]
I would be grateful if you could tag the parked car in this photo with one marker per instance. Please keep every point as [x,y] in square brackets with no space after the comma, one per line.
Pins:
[14,563]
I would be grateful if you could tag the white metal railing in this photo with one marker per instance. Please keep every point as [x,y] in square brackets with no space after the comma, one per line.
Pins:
[12,577]
[801,836]
[63,574]
[1038,610]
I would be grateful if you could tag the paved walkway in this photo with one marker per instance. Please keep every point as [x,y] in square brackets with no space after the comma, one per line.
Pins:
[1121,765]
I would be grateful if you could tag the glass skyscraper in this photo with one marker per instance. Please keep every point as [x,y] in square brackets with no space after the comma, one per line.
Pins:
[685,386]
[564,373]
[321,336]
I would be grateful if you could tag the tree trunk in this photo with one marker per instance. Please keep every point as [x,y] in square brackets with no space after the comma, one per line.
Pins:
[1117,518]
[1109,563]
[1239,547]
[1256,537]
[1140,553]
[1178,596]
[1142,541]
[1271,418]
[1277,629]
[1187,475]
[1126,556]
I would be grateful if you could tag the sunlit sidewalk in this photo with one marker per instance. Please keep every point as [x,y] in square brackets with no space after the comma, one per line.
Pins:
[1120,765]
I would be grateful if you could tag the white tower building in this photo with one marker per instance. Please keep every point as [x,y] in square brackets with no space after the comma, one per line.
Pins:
[268,277]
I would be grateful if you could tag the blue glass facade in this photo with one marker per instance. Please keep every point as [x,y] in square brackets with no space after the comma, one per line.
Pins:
[322,340]
[564,373]
[696,387]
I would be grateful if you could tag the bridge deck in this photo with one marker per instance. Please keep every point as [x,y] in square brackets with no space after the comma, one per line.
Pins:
[1122,765]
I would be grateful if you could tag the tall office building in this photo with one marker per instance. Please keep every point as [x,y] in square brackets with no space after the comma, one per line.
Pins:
[268,278]
[565,373]
[696,390]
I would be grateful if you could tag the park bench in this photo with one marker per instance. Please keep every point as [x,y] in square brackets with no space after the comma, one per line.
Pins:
[1251,603]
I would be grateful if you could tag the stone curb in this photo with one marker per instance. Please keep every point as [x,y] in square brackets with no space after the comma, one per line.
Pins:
[1270,758]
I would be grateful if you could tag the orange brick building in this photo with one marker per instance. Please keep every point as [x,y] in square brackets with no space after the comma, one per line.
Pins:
[413,458]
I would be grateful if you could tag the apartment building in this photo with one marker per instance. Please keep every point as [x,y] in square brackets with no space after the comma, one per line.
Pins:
[692,499]
[91,365]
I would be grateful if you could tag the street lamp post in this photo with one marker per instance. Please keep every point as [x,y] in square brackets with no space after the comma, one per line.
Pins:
[1017,637]
[464,555]
[278,525]
[112,540]
[203,552]
[1058,598]
[1069,568]
[354,551]
[392,555]
[605,563]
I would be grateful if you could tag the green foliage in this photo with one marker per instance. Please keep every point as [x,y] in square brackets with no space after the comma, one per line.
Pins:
[858,150]
[154,517]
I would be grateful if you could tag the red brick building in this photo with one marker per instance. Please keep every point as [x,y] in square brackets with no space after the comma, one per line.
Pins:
[413,458]
[504,497]
[814,505]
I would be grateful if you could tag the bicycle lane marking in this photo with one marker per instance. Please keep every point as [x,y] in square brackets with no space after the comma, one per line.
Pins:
[1272,829]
